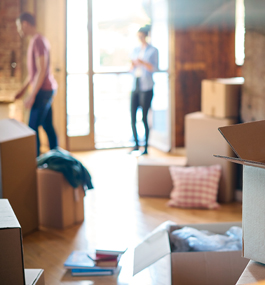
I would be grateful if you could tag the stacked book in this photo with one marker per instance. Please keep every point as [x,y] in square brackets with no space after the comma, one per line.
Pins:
[96,263]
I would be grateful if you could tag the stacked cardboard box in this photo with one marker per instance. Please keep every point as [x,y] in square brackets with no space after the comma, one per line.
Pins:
[202,141]
[220,107]
[220,98]
[11,258]
[18,171]
[60,205]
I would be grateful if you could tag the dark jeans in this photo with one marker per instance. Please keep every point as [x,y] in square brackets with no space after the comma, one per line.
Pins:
[41,115]
[140,99]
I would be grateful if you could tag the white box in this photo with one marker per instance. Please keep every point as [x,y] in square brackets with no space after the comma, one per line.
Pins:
[248,140]
[221,97]
[154,179]
[34,276]
[191,268]
[202,141]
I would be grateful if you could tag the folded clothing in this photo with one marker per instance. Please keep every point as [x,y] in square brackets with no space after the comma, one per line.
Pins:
[190,239]
[73,170]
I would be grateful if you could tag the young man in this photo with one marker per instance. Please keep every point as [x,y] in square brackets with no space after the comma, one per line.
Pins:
[43,84]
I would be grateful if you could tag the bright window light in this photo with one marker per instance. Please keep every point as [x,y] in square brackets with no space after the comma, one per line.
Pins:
[240,32]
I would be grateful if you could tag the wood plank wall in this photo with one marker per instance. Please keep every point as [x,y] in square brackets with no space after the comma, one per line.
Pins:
[199,54]
[253,70]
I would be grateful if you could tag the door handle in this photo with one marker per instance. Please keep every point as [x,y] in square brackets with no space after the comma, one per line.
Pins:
[13,63]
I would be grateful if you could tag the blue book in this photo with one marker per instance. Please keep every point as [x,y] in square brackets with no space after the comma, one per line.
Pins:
[81,260]
[91,272]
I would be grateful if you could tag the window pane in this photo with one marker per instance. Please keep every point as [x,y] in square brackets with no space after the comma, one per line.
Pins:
[77,36]
[112,110]
[77,105]
[160,103]
[114,32]
[160,31]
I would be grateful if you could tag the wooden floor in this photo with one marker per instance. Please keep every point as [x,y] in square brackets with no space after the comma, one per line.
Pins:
[113,213]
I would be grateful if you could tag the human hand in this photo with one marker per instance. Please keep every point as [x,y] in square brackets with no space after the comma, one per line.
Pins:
[19,94]
[29,102]
[135,63]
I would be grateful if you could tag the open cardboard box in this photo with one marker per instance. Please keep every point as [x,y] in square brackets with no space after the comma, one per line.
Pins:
[248,143]
[198,268]
[191,267]
[11,251]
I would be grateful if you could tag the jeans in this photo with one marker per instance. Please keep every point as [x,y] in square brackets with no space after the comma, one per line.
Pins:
[41,115]
[140,99]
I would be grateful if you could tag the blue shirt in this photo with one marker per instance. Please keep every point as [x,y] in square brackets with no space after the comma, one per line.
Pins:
[150,56]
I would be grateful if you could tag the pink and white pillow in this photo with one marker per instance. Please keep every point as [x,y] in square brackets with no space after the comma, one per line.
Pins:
[195,187]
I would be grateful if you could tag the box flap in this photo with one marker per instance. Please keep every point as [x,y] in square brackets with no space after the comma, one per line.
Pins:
[8,218]
[242,161]
[154,247]
[247,140]
[11,129]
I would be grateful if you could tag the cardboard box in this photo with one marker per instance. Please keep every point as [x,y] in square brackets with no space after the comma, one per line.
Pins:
[11,257]
[60,205]
[221,97]
[4,110]
[247,141]
[34,276]
[18,172]
[254,272]
[154,178]
[192,268]
[202,140]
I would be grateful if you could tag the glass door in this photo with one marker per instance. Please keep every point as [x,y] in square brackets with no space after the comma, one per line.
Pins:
[99,83]
[160,134]
[79,99]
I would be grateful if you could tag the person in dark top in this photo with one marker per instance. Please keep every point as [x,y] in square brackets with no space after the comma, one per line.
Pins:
[42,82]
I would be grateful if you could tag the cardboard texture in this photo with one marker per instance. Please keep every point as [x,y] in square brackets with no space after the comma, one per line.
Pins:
[193,268]
[247,141]
[202,140]
[4,110]
[18,171]
[154,178]
[221,97]
[11,257]
[60,205]
[34,276]
[253,272]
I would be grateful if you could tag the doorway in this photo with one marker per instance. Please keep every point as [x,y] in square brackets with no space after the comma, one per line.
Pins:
[101,35]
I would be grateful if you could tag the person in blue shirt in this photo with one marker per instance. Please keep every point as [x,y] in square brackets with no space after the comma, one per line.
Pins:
[144,63]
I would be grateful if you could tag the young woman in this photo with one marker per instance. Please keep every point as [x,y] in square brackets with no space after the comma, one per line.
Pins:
[144,63]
